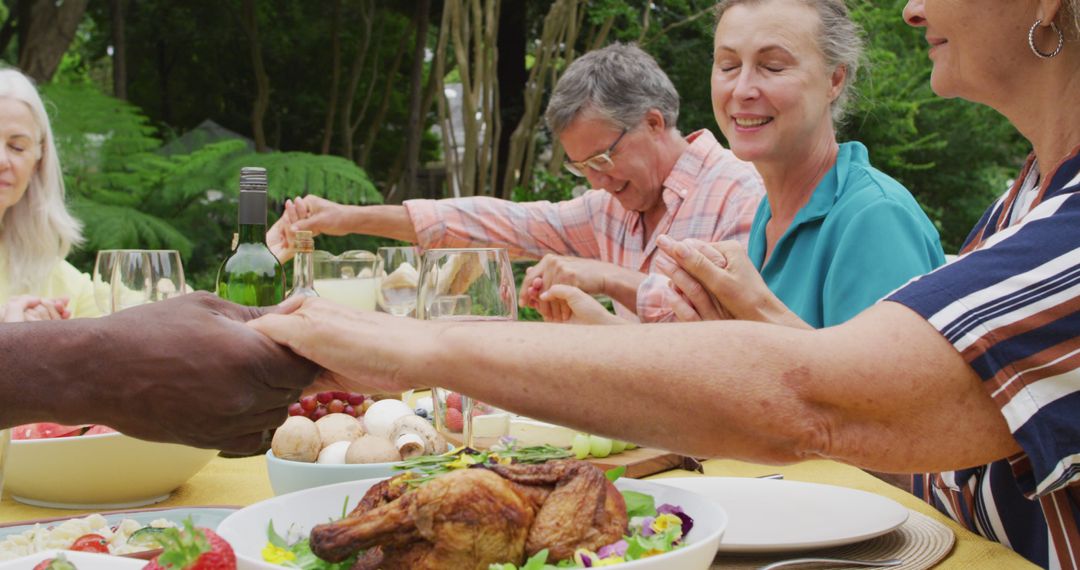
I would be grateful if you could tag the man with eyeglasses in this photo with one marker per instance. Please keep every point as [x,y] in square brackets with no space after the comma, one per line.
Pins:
[614,111]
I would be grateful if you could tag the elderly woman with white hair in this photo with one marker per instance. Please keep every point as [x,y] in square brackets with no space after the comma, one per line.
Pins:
[36,229]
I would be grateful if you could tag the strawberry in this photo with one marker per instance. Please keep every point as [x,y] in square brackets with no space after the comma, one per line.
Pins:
[193,549]
[454,401]
[455,422]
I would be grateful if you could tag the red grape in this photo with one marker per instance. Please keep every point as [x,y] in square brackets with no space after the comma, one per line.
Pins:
[350,410]
[324,397]
[335,406]
[356,399]
[338,395]
[295,409]
[309,403]
[319,412]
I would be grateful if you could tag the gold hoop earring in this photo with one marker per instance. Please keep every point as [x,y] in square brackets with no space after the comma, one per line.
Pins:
[1035,50]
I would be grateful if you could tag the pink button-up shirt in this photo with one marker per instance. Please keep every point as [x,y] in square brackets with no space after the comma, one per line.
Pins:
[710,195]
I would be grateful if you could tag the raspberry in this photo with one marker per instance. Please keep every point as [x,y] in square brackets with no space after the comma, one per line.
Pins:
[454,401]
[455,422]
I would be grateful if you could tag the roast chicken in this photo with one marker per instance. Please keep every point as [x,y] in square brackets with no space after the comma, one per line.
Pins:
[475,517]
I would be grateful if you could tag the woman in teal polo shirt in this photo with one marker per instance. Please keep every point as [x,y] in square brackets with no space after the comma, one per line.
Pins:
[834,234]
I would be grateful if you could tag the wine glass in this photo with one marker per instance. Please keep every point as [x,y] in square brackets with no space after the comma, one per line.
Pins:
[145,276]
[396,274]
[102,279]
[467,285]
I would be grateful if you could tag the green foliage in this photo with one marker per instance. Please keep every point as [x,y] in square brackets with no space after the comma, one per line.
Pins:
[131,196]
[954,156]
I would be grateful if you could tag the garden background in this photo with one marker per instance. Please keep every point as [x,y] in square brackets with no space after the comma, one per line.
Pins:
[157,103]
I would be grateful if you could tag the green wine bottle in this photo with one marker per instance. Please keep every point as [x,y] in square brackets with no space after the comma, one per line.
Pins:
[252,275]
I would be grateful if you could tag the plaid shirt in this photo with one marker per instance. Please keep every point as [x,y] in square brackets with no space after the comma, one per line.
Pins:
[710,195]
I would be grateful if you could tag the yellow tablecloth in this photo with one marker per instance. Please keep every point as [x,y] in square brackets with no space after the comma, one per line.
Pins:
[244,481]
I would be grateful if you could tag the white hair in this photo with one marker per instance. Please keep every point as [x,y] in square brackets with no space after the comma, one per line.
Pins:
[38,231]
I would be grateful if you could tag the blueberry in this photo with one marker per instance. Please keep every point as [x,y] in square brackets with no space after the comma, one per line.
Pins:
[421,412]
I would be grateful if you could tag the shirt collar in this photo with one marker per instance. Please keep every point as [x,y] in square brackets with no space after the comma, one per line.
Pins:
[683,178]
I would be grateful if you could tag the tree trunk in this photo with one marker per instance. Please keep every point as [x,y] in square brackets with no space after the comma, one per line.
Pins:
[384,103]
[117,9]
[367,17]
[335,77]
[46,34]
[512,79]
[250,22]
[416,93]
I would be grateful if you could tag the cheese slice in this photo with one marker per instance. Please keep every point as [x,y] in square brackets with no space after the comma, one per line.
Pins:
[531,432]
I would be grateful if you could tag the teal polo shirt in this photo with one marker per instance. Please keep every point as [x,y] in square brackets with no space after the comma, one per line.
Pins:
[859,237]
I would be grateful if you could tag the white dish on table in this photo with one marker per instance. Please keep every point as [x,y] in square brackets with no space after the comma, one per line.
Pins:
[81,560]
[246,529]
[100,471]
[771,515]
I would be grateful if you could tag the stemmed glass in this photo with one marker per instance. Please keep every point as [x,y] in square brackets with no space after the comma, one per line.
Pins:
[102,279]
[467,285]
[145,276]
[397,274]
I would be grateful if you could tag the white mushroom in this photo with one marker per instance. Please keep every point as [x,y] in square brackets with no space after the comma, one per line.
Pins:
[371,449]
[297,439]
[339,427]
[334,454]
[409,445]
[380,417]
[433,441]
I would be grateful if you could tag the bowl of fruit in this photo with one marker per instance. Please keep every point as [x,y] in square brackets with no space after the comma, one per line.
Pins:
[94,467]
[360,439]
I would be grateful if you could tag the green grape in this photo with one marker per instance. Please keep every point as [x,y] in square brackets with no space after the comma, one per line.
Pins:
[580,447]
[599,446]
[618,446]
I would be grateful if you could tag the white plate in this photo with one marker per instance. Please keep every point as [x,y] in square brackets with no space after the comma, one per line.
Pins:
[246,529]
[769,515]
[81,560]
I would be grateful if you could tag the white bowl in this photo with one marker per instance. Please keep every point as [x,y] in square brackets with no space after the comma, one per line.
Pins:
[246,529]
[288,476]
[101,471]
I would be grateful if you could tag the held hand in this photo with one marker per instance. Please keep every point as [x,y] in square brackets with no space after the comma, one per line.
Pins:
[188,370]
[572,305]
[359,350]
[585,274]
[311,213]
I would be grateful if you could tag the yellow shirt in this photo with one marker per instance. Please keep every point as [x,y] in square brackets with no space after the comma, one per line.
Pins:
[63,281]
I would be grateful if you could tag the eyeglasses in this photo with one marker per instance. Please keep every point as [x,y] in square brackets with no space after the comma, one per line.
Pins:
[600,163]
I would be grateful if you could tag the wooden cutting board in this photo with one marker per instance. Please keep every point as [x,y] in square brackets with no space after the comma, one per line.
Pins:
[640,462]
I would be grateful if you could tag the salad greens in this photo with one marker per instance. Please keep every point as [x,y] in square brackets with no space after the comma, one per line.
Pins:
[431,466]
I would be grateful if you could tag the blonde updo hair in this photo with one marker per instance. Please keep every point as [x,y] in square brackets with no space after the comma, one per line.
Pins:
[839,39]
[38,231]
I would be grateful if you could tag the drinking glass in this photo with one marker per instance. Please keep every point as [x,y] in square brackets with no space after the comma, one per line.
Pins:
[396,275]
[102,279]
[467,285]
[348,279]
[145,276]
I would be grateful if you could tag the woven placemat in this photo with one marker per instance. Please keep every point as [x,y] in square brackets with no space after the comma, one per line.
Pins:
[920,542]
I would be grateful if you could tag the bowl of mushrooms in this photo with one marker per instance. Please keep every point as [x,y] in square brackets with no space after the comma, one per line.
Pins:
[339,447]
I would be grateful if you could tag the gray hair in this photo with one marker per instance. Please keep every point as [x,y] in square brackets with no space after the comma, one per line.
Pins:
[839,39]
[619,82]
[1072,12]
[38,231]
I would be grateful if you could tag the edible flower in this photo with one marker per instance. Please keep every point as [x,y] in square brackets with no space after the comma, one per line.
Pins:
[586,558]
[613,550]
[663,522]
[462,462]
[277,555]
[647,526]
[687,520]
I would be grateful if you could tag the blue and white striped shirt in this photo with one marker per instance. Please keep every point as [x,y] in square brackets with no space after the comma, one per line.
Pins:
[1011,305]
